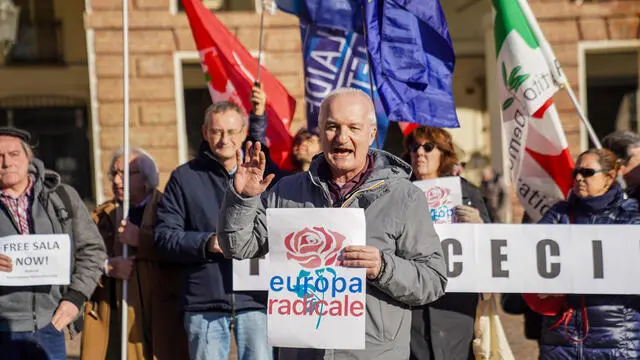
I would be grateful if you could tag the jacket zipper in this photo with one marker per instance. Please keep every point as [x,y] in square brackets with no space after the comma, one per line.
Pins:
[358,192]
[324,192]
[233,309]
[233,295]
[33,308]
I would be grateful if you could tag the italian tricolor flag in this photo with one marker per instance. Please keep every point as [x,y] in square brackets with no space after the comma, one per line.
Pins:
[528,77]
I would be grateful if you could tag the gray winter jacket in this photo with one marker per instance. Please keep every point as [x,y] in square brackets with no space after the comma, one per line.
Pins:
[398,223]
[27,308]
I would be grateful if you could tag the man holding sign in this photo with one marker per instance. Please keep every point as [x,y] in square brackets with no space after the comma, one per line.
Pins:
[403,258]
[40,216]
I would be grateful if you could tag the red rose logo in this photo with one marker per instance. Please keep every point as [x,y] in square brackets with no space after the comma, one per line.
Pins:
[314,247]
[437,197]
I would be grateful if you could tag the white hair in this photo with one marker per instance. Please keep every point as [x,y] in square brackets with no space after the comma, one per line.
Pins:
[146,165]
[326,103]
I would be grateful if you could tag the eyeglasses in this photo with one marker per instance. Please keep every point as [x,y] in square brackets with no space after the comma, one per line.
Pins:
[114,173]
[586,172]
[427,147]
[218,133]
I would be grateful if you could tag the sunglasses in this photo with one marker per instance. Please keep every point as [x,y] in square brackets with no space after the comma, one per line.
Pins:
[427,147]
[586,172]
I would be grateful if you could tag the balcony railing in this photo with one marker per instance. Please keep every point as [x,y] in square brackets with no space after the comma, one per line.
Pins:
[37,44]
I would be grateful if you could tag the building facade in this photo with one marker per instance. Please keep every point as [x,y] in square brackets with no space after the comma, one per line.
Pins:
[66,85]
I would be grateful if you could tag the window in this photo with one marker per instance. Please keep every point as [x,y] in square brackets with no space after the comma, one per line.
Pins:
[612,90]
[60,136]
[225,5]
[39,35]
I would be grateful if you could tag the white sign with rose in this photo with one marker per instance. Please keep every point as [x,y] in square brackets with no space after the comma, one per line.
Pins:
[314,302]
[443,195]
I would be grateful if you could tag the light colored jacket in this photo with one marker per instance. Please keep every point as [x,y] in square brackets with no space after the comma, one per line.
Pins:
[398,223]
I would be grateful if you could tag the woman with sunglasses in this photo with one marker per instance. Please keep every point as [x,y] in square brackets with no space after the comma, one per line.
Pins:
[443,329]
[591,326]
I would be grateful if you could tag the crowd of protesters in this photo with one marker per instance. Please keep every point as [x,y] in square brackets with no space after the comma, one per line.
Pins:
[181,303]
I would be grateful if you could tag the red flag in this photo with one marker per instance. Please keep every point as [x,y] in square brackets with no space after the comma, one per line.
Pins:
[232,72]
[407,127]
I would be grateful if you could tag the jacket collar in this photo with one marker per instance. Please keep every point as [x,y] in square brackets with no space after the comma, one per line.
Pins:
[206,156]
[613,198]
[148,218]
[45,181]
[385,167]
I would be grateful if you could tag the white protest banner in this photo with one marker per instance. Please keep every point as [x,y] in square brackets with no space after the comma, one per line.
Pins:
[443,194]
[37,260]
[312,302]
[561,259]
[251,274]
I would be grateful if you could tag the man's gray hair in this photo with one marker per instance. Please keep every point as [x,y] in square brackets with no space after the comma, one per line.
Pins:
[621,143]
[146,165]
[222,107]
[324,106]
[27,149]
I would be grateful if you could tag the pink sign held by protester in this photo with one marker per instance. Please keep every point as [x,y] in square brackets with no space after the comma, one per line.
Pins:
[443,195]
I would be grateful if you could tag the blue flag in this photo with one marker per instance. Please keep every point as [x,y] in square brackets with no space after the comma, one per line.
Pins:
[333,59]
[412,60]
[335,14]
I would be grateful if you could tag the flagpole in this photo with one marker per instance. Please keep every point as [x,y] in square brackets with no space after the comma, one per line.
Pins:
[125,203]
[583,117]
[262,9]
[556,69]
[366,46]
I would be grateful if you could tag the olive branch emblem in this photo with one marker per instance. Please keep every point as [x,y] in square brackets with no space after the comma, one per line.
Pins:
[513,83]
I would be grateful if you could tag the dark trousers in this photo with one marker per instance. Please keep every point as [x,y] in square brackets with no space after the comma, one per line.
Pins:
[443,330]
[45,344]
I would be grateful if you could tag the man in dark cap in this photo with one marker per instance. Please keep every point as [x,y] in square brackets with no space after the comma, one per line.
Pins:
[33,201]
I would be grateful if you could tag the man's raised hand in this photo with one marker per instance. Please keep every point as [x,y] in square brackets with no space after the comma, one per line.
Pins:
[249,180]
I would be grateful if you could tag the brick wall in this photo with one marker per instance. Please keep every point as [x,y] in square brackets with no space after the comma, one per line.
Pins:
[154,35]
[565,23]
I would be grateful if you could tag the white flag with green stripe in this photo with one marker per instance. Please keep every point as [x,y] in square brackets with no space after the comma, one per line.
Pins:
[528,77]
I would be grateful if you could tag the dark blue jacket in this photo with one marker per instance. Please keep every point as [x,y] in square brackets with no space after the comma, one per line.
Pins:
[613,320]
[187,217]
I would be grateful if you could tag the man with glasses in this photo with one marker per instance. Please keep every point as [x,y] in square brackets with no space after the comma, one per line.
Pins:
[187,232]
[153,285]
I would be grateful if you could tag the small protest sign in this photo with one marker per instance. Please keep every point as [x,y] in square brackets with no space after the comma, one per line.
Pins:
[37,260]
[443,195]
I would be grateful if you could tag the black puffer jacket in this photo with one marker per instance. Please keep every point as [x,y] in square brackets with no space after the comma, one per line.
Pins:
[613,320]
